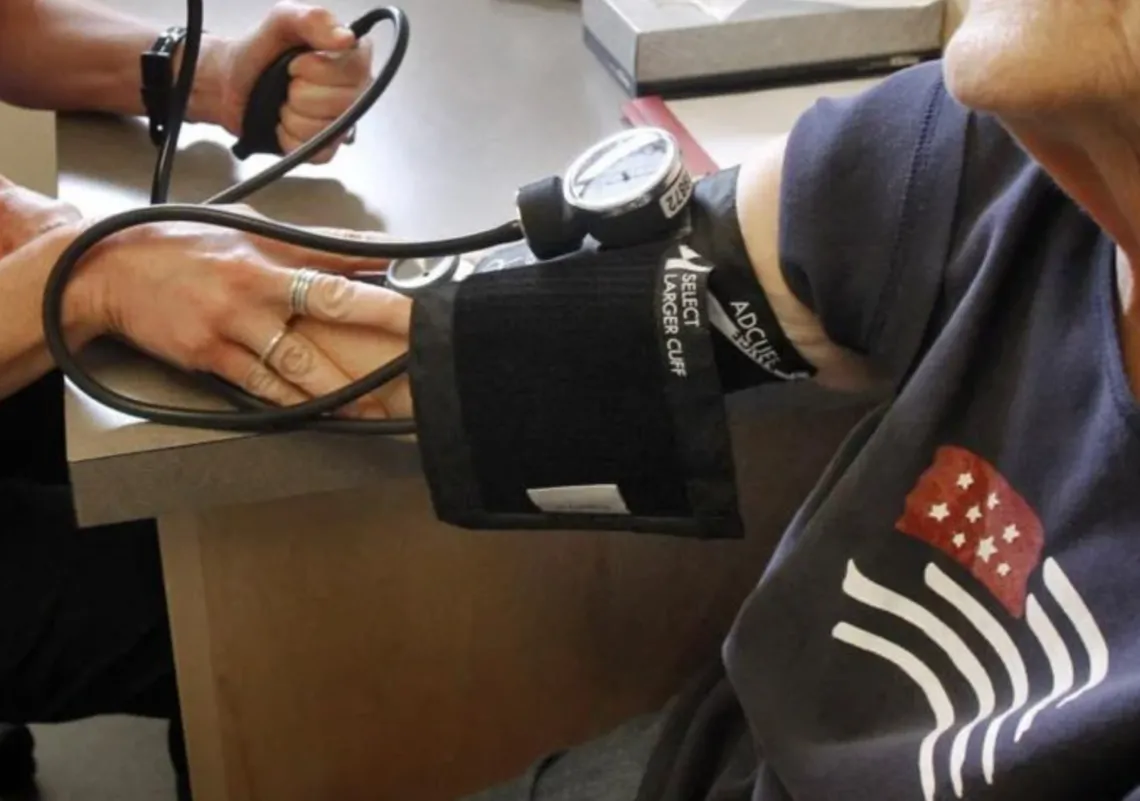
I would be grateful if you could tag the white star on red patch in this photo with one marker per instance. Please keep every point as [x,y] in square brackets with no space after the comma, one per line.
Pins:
[986,549]
[940,511]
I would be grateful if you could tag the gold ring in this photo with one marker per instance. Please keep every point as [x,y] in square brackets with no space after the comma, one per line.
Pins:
[267,353]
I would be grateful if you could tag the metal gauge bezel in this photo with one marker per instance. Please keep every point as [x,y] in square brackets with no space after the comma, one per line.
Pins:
[647,191]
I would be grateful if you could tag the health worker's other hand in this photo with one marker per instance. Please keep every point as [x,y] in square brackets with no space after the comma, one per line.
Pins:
[209,299]
[323,83]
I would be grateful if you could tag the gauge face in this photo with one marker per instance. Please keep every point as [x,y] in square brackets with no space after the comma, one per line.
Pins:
[624,168]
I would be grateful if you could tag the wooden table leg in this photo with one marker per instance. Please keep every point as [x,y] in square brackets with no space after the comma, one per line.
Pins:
[191,631]
[350,647]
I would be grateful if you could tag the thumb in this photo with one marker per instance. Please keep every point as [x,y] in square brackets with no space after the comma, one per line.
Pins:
[316,27]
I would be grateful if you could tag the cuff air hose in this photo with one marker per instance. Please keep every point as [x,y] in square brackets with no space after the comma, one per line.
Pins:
[258,135]
[584,392]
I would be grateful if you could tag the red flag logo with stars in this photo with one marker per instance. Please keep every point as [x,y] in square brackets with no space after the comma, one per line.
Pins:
[962,506]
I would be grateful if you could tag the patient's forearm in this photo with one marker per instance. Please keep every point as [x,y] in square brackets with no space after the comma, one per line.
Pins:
[78,55]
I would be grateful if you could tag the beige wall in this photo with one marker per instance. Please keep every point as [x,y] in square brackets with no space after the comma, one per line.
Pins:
[27,148]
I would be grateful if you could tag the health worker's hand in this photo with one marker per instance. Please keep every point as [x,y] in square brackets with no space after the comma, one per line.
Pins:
[209,299]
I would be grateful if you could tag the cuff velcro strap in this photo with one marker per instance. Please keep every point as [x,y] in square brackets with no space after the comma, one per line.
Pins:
[751,347]
[578,394]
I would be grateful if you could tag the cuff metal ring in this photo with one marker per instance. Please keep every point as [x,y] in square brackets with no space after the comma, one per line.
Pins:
[267,352]
[303,281]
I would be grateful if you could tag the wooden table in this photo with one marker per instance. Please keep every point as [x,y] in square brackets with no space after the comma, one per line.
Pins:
[333,639]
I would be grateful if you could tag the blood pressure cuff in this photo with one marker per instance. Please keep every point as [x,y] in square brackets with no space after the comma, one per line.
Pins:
[579,393]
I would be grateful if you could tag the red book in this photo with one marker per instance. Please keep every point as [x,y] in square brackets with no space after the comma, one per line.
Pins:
[652,111]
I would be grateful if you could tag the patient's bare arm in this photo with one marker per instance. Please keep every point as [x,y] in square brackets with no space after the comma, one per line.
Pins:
[758,205]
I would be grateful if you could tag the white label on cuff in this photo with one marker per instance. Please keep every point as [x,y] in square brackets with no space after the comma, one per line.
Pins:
[598,499]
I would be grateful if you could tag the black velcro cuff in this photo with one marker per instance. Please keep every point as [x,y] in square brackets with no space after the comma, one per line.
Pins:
[751,347]
[578,394]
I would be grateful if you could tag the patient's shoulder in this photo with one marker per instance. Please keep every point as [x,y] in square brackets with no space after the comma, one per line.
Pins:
[868,197]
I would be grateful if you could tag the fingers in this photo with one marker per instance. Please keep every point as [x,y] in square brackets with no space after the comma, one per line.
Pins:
[242,369]
[311,25]
[359,350]
[299,362]
[347,70]
[325,83]
[319,102]
[336,299]
[295,129]
[290,143]
[298,126]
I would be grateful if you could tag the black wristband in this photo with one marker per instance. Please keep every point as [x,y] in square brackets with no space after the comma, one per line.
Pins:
[750,346]
[158,80]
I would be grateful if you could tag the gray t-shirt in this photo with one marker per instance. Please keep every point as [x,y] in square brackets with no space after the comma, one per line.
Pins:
[954,613]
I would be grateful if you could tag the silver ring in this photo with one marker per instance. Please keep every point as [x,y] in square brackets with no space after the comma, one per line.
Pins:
[267,352]
[299,290]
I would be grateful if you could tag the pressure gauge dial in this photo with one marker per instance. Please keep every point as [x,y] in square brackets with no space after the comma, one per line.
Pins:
[635,168]
[629,189]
